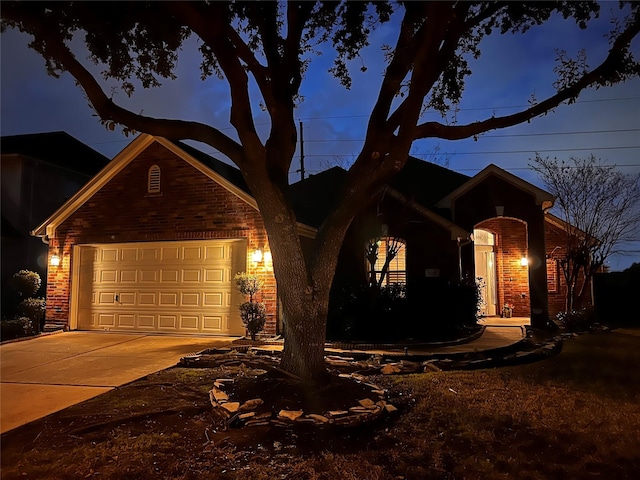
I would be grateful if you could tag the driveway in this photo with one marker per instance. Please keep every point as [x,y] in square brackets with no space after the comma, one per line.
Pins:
[46,374]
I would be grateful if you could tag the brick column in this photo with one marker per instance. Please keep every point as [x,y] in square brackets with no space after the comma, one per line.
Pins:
[538,271]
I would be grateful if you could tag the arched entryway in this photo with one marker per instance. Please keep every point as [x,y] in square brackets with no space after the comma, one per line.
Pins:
[501,260]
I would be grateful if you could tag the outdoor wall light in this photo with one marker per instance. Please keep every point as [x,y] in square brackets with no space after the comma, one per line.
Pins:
[257,256]
[524,262]
[499,210]
[55,260]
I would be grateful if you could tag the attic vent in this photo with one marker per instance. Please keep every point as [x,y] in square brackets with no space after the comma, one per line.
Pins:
[154,180]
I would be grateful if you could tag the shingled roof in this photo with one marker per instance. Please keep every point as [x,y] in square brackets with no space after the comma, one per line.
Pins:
[420,181]
[56,148]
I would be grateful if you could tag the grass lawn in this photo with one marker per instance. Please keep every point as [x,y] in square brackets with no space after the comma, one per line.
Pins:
[573,416]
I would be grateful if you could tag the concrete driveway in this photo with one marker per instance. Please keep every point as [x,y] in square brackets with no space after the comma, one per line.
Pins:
[46,374]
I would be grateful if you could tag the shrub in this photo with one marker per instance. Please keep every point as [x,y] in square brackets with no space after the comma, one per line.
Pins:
[253,314]
[248,284]
[577,320]
[34,309]
[16,328]
[26,282]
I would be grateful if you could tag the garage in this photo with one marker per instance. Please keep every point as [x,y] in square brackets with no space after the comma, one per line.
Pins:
[181,287]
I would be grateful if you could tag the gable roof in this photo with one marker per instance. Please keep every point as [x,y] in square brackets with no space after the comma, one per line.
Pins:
[56,148]
[543,198]
[225,175]
[419,185]
[214,169]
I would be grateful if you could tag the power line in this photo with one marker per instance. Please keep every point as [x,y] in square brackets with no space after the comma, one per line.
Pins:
[627,130]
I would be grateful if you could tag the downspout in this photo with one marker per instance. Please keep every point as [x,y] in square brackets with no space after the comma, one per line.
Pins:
[462,243]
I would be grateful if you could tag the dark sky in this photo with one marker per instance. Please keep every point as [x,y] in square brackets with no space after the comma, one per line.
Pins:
[604,122]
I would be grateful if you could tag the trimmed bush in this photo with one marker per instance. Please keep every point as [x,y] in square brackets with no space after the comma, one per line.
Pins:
[253,314]
[34,309]
[19,327]
[26,282]
[577,320]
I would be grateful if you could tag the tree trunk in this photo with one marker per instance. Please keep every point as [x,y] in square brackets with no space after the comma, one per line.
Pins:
[305,334]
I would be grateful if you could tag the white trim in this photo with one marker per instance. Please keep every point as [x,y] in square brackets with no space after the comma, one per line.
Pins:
[541,197]
[75,288]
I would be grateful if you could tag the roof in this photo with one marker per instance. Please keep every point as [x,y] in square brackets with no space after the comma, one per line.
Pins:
[229,172]
[56,148]
[543,198]
[314,197]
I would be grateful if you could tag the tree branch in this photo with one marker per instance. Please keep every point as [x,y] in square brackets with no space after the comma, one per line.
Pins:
[56,49]
[609,67]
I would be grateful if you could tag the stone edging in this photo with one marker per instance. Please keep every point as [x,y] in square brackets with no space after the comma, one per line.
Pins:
[248,414]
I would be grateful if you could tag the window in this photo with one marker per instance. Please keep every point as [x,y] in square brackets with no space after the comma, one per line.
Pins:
[396,271]
[153,185]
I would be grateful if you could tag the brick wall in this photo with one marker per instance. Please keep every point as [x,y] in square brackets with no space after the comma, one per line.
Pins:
[512,277]
[190,207]
[511,246]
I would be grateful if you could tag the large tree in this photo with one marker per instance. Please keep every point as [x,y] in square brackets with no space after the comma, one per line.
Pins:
[270,44]
[600,209]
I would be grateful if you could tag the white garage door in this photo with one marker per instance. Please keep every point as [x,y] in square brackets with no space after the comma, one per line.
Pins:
[171,287]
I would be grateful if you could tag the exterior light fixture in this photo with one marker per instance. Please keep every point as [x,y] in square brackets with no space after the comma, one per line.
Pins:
[257,256]
[524,262]
[55,260]
[499,210]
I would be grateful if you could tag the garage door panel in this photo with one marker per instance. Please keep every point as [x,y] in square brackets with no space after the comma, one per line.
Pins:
[147,322]
[109,255]
[213,323]
[214,275]
[148,276]
[181,287]
[189,322]
[128,276]
[191,276]
[168,321]
[108,276]
[147,299]
[170,253]
[126,320]
[190,299]
[168,299]
[129,254]
[127,298]
[106,319]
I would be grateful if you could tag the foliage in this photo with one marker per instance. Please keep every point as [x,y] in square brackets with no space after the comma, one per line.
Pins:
[26,282]
[577,320]
[600,210]
[253,314]
[248,284]
[16,328]
[431,311]
[34,309]
[269,45]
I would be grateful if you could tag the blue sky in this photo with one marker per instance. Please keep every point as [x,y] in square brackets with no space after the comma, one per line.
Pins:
[604,122]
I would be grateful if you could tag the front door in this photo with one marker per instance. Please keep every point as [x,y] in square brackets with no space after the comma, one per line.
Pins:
[485,265]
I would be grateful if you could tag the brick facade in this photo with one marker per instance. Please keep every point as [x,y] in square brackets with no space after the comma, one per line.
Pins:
[190,206]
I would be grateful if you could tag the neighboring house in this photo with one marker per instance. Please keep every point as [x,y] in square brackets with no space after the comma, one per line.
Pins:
[39,172]
[153,241]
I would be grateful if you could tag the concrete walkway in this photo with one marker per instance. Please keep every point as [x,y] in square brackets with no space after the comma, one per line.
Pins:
[43,375]
[49,373]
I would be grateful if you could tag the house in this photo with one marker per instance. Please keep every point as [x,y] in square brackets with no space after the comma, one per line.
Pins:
[39,173]
[153,241]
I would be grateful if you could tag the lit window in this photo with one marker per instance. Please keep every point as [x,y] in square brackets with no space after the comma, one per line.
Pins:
[153,185]
[396,269]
